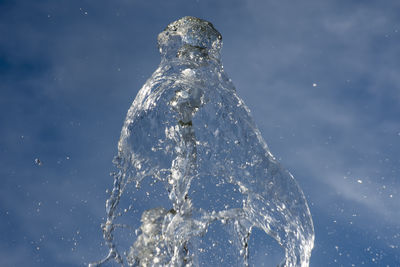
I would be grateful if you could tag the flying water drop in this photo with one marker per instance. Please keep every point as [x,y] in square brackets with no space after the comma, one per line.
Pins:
[192,137]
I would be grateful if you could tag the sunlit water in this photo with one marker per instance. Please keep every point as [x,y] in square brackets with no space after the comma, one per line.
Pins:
[194,167]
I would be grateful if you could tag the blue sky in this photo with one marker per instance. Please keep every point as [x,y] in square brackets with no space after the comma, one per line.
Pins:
[322,79]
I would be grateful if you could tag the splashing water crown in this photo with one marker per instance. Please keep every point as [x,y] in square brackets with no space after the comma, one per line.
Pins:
[190,33]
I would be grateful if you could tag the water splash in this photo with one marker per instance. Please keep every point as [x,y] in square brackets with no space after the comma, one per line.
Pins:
[187,128]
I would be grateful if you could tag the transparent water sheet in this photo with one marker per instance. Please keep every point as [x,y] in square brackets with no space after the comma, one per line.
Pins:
[188,130]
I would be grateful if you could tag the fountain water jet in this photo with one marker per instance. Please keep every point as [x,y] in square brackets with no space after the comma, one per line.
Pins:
[187,125]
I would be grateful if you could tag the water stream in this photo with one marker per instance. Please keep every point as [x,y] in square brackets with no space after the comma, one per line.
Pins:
[188,131]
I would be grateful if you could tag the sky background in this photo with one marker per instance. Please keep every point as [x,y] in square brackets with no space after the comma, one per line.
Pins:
[322,79]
